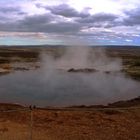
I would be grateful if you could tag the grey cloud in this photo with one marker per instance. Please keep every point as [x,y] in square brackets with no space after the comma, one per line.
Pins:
[96,18]
[51,22]
[67,11]
[9,9]
[9,26]
[29,23]
[133,18]
[62,27]
[54,21]
[41,23]
[10,13]
[37,20]
[48,23]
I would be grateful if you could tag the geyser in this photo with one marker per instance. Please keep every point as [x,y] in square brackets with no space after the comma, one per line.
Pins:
[53,85]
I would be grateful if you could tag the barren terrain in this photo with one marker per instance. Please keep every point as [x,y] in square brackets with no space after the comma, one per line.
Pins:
[117,121]
[72,123]
[26,58]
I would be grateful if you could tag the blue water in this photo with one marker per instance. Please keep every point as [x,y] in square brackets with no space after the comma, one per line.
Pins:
[59,88]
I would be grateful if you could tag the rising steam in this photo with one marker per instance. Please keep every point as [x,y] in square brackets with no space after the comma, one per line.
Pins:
[98,87]
[53,85]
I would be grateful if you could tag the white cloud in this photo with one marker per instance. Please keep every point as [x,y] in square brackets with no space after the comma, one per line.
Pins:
[99,25]
[97,6]
[128,40]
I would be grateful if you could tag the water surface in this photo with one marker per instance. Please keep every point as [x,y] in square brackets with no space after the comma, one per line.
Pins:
[60,88]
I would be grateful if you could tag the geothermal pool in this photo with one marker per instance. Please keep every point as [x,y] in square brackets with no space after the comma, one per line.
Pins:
[60,88]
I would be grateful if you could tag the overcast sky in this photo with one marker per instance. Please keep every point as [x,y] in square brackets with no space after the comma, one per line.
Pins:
[62,21]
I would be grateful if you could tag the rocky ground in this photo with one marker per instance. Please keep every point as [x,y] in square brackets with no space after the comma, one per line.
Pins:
[113,122]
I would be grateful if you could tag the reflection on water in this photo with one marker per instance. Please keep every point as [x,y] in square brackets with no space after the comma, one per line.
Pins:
[63,89]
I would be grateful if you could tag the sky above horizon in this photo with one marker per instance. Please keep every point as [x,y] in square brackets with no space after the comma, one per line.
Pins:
[101,22]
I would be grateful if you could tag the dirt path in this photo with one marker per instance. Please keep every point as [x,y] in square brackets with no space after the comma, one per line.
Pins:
[72,124]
